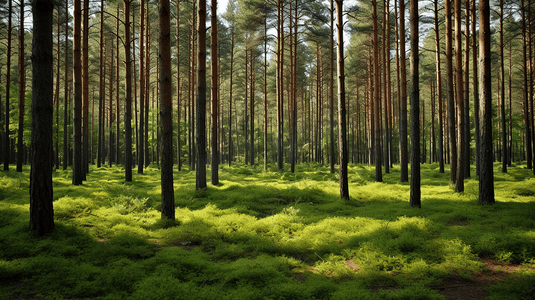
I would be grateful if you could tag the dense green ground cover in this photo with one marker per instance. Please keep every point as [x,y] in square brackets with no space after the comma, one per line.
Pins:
[265,235]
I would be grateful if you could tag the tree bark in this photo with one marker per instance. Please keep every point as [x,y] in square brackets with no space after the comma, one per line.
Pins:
[451,97]
[377,95]
[102,87]
[486,177]
[502,95]
[41,191]
[331,88]
[214,97]
[7,140]
[128,96]
[439,94]
[459,184]
[66,91]
[85,92]
[166,112]
[141,131]
[527,119]
[22,89]
[415,193]
[77,168]
[342,145]
[201,98]
[466,107]
[403,155]
[475,85]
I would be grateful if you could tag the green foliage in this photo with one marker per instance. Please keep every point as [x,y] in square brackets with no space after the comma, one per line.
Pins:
[264,234]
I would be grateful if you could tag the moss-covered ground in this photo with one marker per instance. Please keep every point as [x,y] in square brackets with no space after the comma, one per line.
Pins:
[267,235]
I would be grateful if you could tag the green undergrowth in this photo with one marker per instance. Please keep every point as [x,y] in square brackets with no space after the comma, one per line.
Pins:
[265,235]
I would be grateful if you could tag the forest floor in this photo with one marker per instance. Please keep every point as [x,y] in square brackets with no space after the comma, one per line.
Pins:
[270,235]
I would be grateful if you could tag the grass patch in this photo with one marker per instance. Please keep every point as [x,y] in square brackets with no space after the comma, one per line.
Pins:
[265,234]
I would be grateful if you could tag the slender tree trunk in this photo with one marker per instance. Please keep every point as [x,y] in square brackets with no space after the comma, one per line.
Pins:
[117,102]
[439,90]
[85,92]
[331,87]
[280,82]
[466,107]
[502,95]
[101,87]
[41,191]
[141,131]
[404,161]
[214,97]
[66,91]
[377,95]
[166,111]
[415,194]
[252,91]
[22,89]
[201,98]
[77,119]
[527,119]
[230,96]
[451,97]
[459,184]
[343,149]
[486,177]
[386,156]
[475,84]
[128,96]
[56,94]
[178,91]
[265,97]
[7,140]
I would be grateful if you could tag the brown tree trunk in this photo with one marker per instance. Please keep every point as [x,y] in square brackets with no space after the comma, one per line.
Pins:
[331,88]
[475,84]
[280,88]
[166,112]
[265,96]
[66,91]
[178,91]
[415,193]
[386,156]
[128,96]
[85,92]
[117,102]
[451,97]
[502,95]
[7,140]
[201,98]
[77,119]
[459,184]
[41,191]
[214,97]
[100,143]
[22,89]
[527,119]
[466,107]
[342,145]
[377,95]
[486,177]
[439,93]
[141,131]
[404,159]
[230,96]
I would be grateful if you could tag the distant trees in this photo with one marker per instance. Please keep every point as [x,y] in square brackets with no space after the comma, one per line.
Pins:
[293,72]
